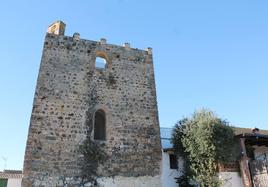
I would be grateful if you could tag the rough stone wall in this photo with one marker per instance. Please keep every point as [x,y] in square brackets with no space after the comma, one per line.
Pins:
[70,89]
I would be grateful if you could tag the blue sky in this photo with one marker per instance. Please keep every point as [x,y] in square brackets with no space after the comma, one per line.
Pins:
[207,54]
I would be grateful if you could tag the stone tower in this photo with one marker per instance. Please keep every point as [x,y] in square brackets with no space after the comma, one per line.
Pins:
[112,101]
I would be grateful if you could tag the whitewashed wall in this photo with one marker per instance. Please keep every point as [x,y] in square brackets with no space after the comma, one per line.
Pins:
[168,175]
[14,182]
[231,179]
[145,181]
[260,151]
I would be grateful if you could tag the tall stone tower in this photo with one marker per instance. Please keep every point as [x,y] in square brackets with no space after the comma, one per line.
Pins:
[102,91]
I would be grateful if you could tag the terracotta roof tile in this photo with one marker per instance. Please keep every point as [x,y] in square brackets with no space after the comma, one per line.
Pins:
[11,174]
[239,130]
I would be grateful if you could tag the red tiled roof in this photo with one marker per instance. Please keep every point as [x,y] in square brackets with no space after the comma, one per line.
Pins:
[239,130]
[11,174]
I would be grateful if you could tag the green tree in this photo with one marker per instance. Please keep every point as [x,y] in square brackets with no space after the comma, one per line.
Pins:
[203,140]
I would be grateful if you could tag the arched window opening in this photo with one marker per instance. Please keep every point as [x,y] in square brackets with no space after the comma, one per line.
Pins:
[99,125]
[100,63]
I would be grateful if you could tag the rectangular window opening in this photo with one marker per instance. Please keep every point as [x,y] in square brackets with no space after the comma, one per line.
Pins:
[173,161]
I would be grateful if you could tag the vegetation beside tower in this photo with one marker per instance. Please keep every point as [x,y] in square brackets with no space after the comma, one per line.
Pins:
[93,155]
[203,140]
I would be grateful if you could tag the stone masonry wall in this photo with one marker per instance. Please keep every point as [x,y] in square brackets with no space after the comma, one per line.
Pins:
[70,89]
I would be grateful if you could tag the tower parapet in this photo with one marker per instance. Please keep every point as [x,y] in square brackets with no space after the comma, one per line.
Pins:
[57,28]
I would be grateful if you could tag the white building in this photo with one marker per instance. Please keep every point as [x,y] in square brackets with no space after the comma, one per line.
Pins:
[171,165]
[10,178]
[229,174]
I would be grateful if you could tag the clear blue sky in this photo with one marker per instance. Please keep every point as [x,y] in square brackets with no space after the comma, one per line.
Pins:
[211,54]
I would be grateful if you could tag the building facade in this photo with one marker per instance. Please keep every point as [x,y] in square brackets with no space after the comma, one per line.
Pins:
[10,178]
[98,91]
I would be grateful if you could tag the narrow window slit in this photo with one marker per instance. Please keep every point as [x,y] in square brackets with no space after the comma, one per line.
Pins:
[99,125]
